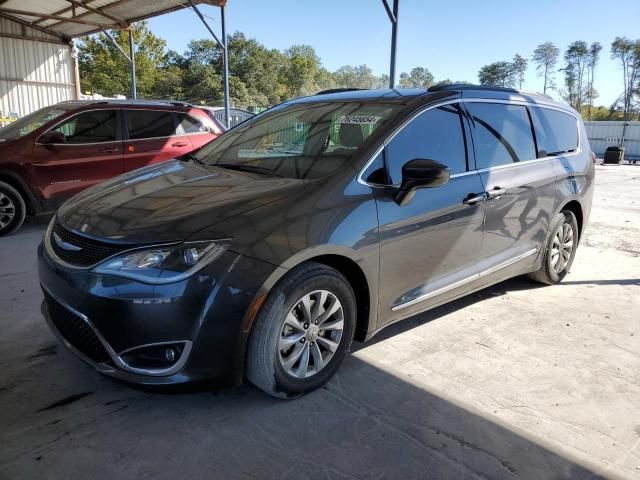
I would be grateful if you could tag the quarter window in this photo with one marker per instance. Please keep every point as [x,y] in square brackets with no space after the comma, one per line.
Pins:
[188,124]
[150,124]
[503,134]
[90,127]
[556,132]
[435,135]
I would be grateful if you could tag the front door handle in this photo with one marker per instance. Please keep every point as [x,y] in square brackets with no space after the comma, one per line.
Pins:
[496,193]
[179,144]
[110,150]
[473,198]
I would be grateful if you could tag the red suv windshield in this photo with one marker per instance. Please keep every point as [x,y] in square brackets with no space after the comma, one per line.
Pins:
[25,125]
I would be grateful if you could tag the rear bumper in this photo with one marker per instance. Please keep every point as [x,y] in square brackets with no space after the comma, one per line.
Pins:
[100,318]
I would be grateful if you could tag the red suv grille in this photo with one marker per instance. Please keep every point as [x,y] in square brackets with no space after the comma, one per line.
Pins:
[90,251]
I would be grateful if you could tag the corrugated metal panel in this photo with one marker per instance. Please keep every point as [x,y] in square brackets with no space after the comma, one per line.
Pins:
[128,11]
[8,27]
[33,75]
[609,133]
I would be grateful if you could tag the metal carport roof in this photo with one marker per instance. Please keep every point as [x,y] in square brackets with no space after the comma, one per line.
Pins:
[74,18]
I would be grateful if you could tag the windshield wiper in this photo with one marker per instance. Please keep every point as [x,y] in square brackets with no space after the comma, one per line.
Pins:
[247,168]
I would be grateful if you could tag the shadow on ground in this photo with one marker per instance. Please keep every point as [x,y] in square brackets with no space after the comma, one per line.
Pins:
[60,419]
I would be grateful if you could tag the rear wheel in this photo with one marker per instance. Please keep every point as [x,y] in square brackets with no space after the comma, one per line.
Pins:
[303,332]
[12,209]
[559,250]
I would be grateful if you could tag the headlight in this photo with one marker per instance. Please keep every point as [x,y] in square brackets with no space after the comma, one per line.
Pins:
[163,263]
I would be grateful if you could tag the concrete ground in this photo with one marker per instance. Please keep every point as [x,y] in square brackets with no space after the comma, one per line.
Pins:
[517,381]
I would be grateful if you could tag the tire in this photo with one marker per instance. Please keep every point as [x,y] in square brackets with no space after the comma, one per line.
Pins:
[564,225]
[13,210]
[267,365]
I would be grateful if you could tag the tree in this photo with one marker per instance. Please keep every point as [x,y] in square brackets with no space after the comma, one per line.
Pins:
[360,76]
[107,72]
[301,68]
[419,77]
[576,59]
[499,74]
[519,68]
[594,56]
[545,56]
[628,53]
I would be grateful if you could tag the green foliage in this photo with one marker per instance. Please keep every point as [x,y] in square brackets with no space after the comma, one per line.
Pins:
[545,56]
[105,70]
[499,74]
[419,77]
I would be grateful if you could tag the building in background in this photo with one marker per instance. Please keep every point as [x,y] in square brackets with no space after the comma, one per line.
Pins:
[603,134]
[38,70]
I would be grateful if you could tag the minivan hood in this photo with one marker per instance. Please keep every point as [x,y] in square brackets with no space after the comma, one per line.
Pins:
[169,202]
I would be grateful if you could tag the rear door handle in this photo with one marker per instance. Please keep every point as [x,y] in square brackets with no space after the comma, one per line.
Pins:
[496,193]
[473,198]
[179,144]
[110,150]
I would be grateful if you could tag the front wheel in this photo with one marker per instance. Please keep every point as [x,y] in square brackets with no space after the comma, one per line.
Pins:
[560,249]
[12,209]
[303,332]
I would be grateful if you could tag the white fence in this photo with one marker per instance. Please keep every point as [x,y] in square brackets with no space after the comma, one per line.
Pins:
[606,134]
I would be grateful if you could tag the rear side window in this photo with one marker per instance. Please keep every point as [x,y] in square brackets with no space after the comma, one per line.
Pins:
[502,134]
[435,135]
[150,124]
[188,124]
[556,132]
[95,126]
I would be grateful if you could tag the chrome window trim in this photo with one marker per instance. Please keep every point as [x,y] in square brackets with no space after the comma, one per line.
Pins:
[121,141]
[54,126]
[414,115]
[465,281]
[115,357]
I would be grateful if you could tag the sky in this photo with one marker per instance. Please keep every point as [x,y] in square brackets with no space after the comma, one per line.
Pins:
[452,39]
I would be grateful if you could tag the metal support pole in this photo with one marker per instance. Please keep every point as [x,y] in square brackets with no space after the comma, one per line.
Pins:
[132,57]
[394,43]
[225,62]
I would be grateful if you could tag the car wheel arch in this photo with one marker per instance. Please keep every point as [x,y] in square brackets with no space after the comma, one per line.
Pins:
[358,273]
[14,179]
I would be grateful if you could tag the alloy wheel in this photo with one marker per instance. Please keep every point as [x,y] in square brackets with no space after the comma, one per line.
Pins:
[562,247]
[311,334]
[7,210]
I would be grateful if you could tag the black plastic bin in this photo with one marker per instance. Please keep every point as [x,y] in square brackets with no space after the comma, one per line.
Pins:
[614,155]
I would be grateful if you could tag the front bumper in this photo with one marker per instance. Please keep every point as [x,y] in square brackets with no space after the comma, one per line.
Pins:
[101,318]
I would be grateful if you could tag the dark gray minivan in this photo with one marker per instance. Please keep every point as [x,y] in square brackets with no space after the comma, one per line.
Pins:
[323,220]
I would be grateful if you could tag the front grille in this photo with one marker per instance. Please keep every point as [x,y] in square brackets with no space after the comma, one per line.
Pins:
[76,331]
[90,253]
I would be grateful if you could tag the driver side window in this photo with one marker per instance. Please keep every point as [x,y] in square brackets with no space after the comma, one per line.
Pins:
[435,135]
[95,126]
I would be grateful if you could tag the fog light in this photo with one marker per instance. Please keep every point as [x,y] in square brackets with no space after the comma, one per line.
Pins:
[153,357]
[170,355]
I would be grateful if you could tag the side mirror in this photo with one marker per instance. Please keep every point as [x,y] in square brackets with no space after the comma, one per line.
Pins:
[51,137]
[420,173]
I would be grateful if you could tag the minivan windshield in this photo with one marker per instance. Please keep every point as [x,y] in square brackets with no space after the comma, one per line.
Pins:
[303,141]
[27,124]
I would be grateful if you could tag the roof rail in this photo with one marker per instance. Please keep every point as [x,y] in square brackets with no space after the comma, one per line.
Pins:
[470,86]
[337,90]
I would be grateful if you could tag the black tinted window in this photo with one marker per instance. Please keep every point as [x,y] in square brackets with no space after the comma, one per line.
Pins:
[150,124]
[502,134]
[90,127]
[435,135]
[189,124]
[556,132]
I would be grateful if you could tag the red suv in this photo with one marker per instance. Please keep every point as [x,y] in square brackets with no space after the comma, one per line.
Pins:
[53,153]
